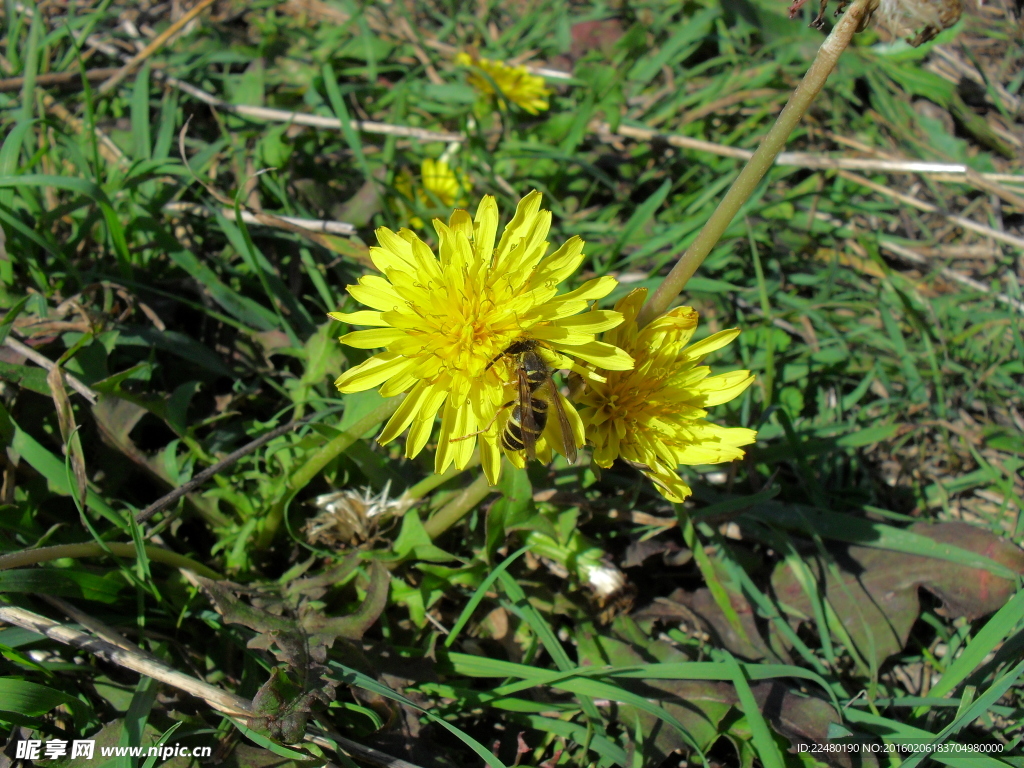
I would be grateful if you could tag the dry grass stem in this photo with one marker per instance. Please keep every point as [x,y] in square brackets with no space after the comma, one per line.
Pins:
[215,697]
[158,42]
[950,274]
[266,113]
[763,158]
[312,225]
[254,445]
[304,118]
[25,557]
[140,662]
[921,205]
[316,121]
[57,79]
[953,68]
[807,159]
[97,627]
[45,362]
[363,594]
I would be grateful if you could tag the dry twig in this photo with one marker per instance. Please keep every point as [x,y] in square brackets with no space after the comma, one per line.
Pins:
[215,697]
[921,205]
[165,501]
[803,159]
[950,274]
[57,79]
[313,225]
[222,701]
[97,627]
[304,118]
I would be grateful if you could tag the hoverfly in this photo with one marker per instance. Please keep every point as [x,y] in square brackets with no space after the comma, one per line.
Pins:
[535,395]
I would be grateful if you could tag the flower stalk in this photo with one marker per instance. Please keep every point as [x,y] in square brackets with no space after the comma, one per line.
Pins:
[28,557]
[458,508]
[315,464]
[745,184]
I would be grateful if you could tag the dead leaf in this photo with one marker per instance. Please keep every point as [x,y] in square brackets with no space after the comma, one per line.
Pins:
[281,709]
[805,719]
[876,594]
[595,35]
[272,341]
[700,706]
[638,551]
[701,605]
[970,592]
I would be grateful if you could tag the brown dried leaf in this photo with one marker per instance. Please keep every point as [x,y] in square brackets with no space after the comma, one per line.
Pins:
[876,594]
[595,35]
[281,709]
[969,592]
[805,720]
[638,551]
[701,605]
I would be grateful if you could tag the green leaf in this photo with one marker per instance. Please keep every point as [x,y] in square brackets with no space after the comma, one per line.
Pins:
[478,595]
[996,629]
[62,582]
[511,510]
[183,346]
[767,749]
[12,314]
[278,749]
[681,44]
[354,677]
[90,190]
[162,739]
[49,466]
[26,376]
[247,311]
[31,699]
[524,609]
[413,542]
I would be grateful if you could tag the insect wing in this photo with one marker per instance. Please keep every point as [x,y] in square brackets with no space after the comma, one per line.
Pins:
[527,422]
[564,428]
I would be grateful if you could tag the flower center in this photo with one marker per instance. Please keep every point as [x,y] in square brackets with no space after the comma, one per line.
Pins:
[476,330]
[632,396]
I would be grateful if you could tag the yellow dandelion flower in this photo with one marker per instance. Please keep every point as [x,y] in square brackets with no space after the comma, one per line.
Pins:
[653,415]
[445,321]
[448,185]
[514,83]
[439,183]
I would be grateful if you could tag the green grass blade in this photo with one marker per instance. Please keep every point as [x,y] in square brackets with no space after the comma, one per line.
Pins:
[478,596]
[764,742]
[354,677]
[996,629]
